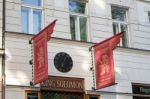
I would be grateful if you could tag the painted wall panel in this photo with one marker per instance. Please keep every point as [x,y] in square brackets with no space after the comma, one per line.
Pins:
[14,92]
[98,8]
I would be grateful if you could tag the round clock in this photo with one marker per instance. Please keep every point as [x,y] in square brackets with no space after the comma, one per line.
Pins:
[63,62]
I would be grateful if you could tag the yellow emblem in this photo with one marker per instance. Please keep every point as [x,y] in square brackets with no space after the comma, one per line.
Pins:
[41,57]
[104,64]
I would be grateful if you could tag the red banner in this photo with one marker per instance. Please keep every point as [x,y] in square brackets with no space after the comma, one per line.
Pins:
[104,64]
[40,59]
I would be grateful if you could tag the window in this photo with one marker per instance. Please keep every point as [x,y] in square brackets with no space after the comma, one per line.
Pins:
[92,96]
[120,22]
[149,16]
[32,94]
[31,15]
[78,19]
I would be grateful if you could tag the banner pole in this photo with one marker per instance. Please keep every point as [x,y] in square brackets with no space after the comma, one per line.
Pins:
[92,68]
[3,68]
[31,61]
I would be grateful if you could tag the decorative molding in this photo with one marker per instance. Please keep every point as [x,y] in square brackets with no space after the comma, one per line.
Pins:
[73,42]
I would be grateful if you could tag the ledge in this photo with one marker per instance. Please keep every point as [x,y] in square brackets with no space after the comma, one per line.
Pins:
[73,42]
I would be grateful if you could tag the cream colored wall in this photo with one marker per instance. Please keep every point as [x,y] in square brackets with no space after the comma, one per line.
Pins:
[13,14]
[142,31]
[18,69]
[58,9]
[15,93]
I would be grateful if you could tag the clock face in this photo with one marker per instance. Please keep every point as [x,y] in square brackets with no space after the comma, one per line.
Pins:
[63,62]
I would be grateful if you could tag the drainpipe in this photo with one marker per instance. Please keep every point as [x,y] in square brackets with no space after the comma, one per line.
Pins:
[3,47]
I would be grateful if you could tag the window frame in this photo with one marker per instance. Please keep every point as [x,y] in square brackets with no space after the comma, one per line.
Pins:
[77,26]
[31,9]
[87,96]
[32,91]
[119,23]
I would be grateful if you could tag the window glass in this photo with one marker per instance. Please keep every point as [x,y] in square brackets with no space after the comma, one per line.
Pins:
[36,21]
[72,27]
[24,19]
[123,27]
[119,23]
[76,6]
[32,95]
[118,13]
[93,97]
[32,2]
[83,30]
[115,28]
[124,38]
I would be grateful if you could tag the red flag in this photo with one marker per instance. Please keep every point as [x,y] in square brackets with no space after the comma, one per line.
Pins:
[40,57]
[104,64]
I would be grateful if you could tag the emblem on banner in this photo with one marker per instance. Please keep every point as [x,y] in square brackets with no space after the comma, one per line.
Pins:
[104,64]
[41,57]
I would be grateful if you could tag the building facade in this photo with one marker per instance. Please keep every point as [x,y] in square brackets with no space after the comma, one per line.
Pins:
[81,24]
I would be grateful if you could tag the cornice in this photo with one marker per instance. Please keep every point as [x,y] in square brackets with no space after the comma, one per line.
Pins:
[55,40]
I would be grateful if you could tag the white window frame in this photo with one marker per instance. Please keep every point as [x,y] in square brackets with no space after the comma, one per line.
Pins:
[77,26]
[31,8]
[122,22]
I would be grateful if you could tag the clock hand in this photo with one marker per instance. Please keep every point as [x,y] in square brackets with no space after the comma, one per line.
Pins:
[63,61]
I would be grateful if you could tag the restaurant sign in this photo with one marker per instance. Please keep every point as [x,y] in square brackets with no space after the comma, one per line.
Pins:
[141,89]
[57,83]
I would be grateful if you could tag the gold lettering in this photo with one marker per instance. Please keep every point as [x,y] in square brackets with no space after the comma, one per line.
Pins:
[67,84]
[58,83]
[80,85]
[70,84]
[61,83]
[51,83]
